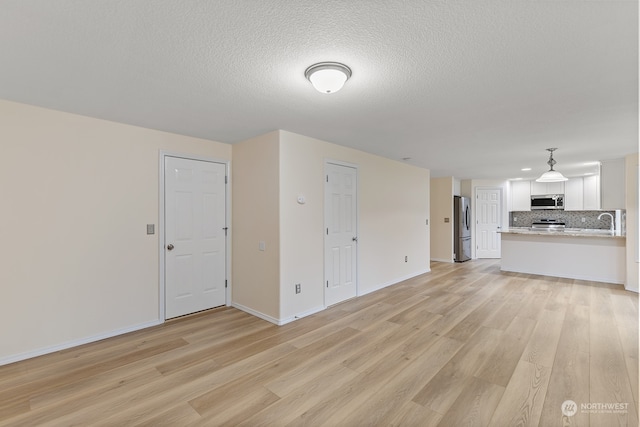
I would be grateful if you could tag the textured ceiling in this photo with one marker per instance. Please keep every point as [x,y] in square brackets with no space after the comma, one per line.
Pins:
[473,89]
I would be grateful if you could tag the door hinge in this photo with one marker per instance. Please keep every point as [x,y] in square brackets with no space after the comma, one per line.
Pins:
[225,230]
[225,283]
[327,178]
[226,179]
[327,283]
[327,231]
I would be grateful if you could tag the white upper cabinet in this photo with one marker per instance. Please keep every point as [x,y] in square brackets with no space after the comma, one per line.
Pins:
[520,196]
[612,184]
[591,192]
[542,188]
[582,194]
[574,194]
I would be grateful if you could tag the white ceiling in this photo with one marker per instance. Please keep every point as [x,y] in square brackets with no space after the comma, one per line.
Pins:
[471,89]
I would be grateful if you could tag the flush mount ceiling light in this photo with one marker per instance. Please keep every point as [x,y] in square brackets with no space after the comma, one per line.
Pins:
[328,77]
[551,175]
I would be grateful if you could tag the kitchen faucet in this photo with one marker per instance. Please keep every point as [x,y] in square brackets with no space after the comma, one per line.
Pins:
[612,220]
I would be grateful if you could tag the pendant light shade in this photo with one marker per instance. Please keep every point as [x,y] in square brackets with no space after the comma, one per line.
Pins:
[551,175]
[328,77]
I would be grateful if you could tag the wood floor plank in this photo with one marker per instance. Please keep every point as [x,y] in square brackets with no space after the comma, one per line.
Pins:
[447,385]
[16,395]
[302,398]
[542,346]
[220,397]
[180,415]
[463,330]
[609,375]
[501,363]
[286,383]
[371,353]
[413,415]
[570,372]
[380,408]
[475,405]
[355,392]
[465,344]
[521,403]
[625,309]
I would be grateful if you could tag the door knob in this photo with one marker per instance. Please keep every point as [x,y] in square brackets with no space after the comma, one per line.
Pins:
[169,246]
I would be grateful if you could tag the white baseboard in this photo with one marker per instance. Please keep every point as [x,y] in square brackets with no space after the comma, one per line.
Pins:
[257,313]
[393,282]
[450,261]
[301,315]
[273,320]
[46,350]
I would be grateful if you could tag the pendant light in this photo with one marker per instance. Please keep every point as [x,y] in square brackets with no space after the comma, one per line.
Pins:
[551,175]
[328,77]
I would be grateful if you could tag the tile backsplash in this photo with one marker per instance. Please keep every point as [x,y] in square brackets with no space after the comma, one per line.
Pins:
[572,219]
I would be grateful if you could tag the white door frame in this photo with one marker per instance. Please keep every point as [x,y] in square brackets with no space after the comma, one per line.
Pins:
[324,269]
[161,225]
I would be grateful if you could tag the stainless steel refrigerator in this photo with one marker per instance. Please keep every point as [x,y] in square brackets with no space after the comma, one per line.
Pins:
[461,228]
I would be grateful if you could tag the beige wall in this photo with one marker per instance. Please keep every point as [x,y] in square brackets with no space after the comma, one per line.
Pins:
[631,197]
[255,275]
[77,194]
[393,209]
[441,208]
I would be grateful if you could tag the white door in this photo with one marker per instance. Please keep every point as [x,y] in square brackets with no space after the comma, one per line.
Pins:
[341,238]
[195,241]
[488,222]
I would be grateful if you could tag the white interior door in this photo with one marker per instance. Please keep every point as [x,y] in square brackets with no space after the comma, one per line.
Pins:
[488,222]
[195,235]
[341,238]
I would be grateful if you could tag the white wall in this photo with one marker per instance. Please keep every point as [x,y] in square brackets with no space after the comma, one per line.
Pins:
[393,209]
[631,198]
[77,193]
[442,191]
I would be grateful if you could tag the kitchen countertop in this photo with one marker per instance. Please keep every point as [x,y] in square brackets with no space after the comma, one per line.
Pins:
[569,232]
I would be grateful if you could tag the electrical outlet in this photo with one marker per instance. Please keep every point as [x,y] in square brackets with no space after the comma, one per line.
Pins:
[406,259]
[584,219]
[298,288]
[515,219]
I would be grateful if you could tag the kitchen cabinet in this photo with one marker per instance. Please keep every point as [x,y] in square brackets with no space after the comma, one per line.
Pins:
[582,194]
[542,188]
[574,194]
[591,193]
[612,187]
[520,196]
[595,258]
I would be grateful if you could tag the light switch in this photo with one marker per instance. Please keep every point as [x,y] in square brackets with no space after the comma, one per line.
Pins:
[151,229]
[261,246]
[446,220]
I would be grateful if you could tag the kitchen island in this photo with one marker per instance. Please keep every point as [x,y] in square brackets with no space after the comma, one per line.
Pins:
[596,255]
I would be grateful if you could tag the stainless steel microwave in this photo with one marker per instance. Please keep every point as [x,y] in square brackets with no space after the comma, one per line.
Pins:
[548,201]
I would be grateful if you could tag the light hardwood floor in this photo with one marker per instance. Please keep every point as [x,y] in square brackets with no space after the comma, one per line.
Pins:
[463,345]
